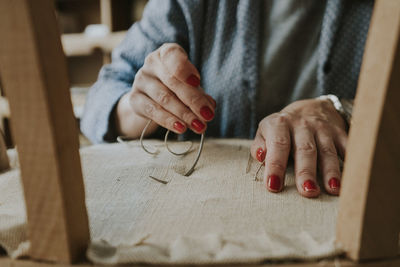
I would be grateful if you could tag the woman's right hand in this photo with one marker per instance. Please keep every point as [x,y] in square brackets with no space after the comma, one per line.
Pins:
[167,91]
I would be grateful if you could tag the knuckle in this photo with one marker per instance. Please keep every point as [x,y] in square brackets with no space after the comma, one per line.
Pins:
[187,116]
[169,122]
[134,97]
[283,116]
[319,122]
[306,148]
[277,165]
[134,91]
[139,77]
[179,67]
[149,109]
[279,119]
[166,46]
[304,123]
[163,97]
[305,172]
[327,150]
[171,80]
[150,59]
[259,136]
[340,132]
[263,123]
[171,49]
[196,99]
[281,142]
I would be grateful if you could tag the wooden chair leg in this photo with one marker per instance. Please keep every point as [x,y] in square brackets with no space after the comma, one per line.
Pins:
[4,161]
[34,75]
[369,208]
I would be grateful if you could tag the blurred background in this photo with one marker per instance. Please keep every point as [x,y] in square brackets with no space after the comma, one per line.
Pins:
[90,29]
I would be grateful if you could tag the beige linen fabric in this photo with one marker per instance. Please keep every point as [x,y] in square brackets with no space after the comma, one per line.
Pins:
[218,214]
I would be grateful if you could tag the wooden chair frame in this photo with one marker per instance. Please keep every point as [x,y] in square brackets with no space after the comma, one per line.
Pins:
[34,75]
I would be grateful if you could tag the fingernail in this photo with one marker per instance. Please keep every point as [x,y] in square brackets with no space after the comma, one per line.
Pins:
[179,126]
[260,154]
[193,80]
[207,113]
[198,125]
[274,183]
[213,101]
[334,183]
[309,185]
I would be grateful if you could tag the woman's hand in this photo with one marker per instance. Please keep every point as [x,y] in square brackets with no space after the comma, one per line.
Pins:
[315,133]
[166,90]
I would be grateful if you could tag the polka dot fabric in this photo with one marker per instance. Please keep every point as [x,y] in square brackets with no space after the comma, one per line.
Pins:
[340,65]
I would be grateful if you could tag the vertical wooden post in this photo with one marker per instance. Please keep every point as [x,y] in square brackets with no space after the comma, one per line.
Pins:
[369,208]
[106,13]
[106,19]
[34,75]
[4,162]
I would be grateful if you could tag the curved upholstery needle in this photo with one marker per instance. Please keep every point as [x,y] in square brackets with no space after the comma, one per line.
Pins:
[154,151]
[191,170]
[173,152]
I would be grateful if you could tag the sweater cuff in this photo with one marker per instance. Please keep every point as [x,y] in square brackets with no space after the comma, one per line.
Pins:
[98,121]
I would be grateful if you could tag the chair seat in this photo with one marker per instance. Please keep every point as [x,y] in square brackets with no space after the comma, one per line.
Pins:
[219,214]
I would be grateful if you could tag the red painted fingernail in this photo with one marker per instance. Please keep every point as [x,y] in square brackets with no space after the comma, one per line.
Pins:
[309,185]
[198,125]
[274,183]
[213,101]
[260,154]
[179,126]
[334,183]
[193,80]
[207,113]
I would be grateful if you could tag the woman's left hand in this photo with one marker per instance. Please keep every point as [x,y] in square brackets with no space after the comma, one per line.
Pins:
[315,133]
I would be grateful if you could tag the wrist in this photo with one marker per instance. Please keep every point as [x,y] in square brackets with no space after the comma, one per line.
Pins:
[343,106]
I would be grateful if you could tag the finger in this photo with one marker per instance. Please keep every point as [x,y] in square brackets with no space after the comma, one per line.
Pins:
[158,92]
[340,140]
[277,136]
[175,60]
[210,99]
[257,149]
[305,161]
[328,162]
[213,102]
[170,67]
[146,107]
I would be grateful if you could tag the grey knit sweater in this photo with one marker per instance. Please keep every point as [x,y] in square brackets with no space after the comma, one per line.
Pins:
[222,39]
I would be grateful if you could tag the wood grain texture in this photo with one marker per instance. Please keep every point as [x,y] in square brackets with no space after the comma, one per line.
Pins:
[4,161]
[34,77]
[369,208]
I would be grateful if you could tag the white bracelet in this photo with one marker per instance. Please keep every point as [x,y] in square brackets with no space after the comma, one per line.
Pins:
[338,106]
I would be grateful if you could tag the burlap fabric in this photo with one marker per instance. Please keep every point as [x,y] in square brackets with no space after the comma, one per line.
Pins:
[218,214]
